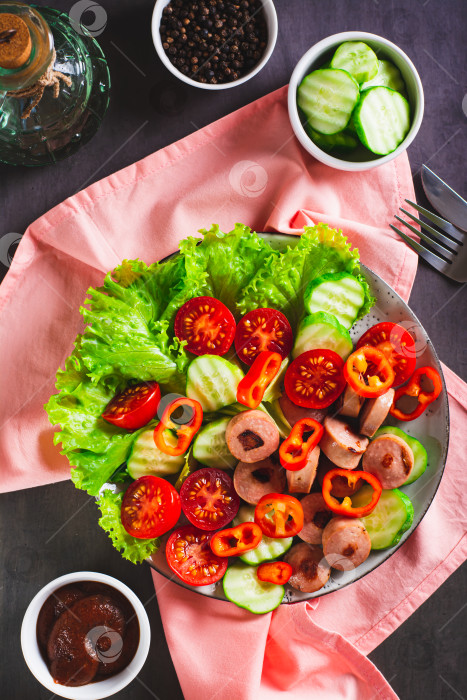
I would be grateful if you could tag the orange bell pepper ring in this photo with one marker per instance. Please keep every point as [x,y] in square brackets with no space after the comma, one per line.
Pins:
[264,369]
[345,507]
[294,451]
[277,572]
[185,431]
[368,372]
[413,388]
[233,541]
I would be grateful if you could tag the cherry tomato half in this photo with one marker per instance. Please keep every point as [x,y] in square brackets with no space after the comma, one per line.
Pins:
[209,499]
[134,407]
[206,324]
[263,329]
[190,556]
[279,515]
[315,379]
[397,344]
[150,507]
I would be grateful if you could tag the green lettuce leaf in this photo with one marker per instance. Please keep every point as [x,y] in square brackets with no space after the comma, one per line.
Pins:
[281,281]
[94,447]
[126,335]
[226,262]
[131,548]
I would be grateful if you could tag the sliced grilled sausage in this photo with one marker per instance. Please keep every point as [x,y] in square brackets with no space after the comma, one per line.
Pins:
[310,569]
[302,480]
[340,486]
[316,517]
[390,459]
[294,413]
[346,543]
[254,480]
[341,444]
[374,413]
[252,436]
[350,402]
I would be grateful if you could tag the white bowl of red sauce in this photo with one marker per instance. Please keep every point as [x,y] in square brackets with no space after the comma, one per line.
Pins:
[109,628]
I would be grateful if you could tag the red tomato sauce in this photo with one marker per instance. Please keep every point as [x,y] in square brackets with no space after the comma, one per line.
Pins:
[86,631]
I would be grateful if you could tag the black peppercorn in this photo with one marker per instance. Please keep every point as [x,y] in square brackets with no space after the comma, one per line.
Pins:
[236,32]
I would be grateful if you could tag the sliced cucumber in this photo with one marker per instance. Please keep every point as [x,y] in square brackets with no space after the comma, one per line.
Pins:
[382,119]
[273,391]
[342,141]
[145,458]
[243,587]
[327,98]
[392,516]
[268,549]
[356,58]
[322,331]
[419,452]
[338,293]
[210,447]
[213,381]
[387,76]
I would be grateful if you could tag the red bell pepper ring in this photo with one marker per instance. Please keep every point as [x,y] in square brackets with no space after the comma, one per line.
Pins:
[279,515]
[277,572]
[413,388]
[185,432]
[345,507]
[294,451]
[368,372]
[233,541]
[251,388]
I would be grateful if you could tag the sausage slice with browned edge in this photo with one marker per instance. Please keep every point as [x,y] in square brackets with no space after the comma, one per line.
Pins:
[310,570]
[346,543]
[341,444]
[374,413]
[316,516]
[294,413]
[252,436]
[254,480]
[350,402]
[302,480]
[390,459]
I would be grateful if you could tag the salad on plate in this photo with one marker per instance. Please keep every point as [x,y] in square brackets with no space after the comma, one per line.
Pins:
[217,408]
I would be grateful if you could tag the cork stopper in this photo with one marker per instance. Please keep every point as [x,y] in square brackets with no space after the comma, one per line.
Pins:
[15,41]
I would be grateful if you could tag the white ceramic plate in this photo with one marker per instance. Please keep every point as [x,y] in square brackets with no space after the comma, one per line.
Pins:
[432,429]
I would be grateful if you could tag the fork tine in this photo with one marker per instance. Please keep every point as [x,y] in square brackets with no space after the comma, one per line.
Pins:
[427,255]
[438,248]
[439,236]
[444,225]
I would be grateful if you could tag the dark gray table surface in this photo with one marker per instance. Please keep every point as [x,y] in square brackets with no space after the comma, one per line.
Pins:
[149,109]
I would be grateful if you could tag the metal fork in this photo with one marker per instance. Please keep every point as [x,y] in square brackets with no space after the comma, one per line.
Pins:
[451,257]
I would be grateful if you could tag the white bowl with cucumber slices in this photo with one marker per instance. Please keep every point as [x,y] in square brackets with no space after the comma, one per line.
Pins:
[355,101]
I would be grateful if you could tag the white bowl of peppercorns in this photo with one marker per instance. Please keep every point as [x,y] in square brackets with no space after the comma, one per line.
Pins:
[214,44]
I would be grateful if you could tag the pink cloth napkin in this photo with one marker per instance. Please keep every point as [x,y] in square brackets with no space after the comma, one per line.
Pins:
[246,167]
